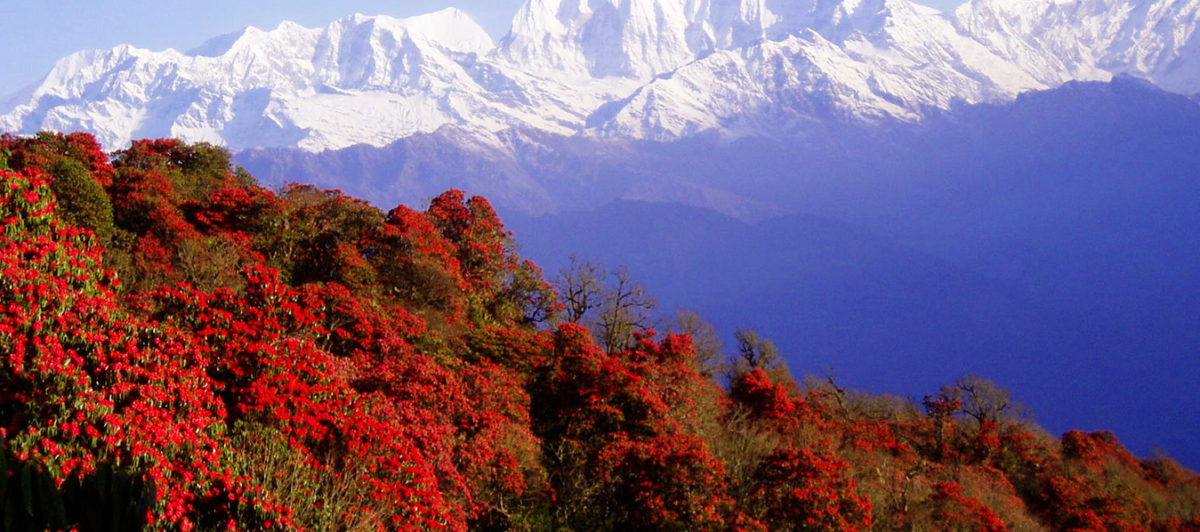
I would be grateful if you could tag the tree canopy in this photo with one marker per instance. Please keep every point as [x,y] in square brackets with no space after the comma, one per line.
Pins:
[184,349]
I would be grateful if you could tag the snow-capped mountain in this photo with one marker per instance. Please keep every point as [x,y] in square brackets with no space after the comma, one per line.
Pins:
[359,80]
[648,69]
[1058,40]
[876,59]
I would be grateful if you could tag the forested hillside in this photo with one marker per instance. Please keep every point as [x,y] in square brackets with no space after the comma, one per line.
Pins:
[184,349]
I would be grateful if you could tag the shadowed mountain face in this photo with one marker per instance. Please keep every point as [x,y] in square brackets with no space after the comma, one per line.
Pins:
[887,317]
[1050,244]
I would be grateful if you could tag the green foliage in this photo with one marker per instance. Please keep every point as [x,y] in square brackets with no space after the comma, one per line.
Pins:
[322,498]
[303,237]
[203,168]
[205,163]
[525,297]
[195,171]
[106,498]
[209,263]
[82,201]
[244,177]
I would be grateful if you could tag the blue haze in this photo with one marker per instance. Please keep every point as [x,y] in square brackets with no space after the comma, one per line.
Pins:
[1048,244]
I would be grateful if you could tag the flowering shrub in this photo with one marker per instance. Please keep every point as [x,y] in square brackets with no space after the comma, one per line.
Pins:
[765,399]
[271,375]
[41,151]
[182,349]
[668,482]
[955,511]
[797,489]
[87,385]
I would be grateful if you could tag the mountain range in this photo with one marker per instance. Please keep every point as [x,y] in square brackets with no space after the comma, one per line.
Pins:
[642,69]
[1048,243]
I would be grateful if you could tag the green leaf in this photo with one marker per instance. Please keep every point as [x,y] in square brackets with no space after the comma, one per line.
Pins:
[54,513]
[3,471]
[27,488]
[119,500]
[102,480]
[10,510]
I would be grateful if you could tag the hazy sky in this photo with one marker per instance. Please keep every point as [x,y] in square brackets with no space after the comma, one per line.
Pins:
[36,33]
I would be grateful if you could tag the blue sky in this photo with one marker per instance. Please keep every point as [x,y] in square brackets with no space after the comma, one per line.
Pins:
[36,33]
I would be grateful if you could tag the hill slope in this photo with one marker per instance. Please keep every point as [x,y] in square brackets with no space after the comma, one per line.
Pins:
[185,349]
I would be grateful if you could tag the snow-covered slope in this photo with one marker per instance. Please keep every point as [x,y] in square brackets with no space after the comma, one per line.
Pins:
[652,69]
[582,39]
[877,59]
[1092,39]
[359,80]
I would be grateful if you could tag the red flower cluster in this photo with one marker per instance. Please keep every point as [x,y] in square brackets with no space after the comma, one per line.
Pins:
[179,343]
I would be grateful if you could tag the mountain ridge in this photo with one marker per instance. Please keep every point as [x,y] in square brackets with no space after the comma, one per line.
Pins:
[643,69]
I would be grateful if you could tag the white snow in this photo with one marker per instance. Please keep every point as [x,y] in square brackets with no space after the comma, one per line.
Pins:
[652,69]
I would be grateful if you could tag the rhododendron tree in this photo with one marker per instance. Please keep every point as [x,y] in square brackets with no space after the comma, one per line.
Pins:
[270,374]
[616,455]
[88,386]
[955,511]
[668,482]
[421,268]
[500,287]
[42,150]
[182,349]
[803,490]
[317,235]
[77,171]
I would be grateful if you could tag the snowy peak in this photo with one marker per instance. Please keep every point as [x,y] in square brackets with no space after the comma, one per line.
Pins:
[835,20]
[360,79]
[647,69]
[287,34]
[868,60]
[641,39]
[451,29]
[1092,39]
[598,38]
[377,53]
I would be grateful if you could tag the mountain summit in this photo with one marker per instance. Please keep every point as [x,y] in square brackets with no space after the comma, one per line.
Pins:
[648,69]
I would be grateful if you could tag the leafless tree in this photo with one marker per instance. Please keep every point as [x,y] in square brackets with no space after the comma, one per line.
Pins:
[625,311]
[984,400]
[580,287]
[705,339]
[612,305]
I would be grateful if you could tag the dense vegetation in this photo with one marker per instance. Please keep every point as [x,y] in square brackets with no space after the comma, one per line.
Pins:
[184,349]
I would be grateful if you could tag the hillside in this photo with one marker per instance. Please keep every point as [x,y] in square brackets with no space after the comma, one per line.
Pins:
[1047,241]
[184,349]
